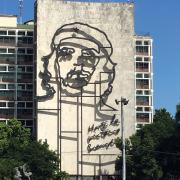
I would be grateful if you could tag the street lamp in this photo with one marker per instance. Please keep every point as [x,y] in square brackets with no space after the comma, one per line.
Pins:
[123,102]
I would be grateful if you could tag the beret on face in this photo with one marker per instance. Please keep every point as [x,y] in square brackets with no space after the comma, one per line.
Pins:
[80,31]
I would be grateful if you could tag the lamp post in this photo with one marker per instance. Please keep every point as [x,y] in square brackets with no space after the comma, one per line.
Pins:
[123,102]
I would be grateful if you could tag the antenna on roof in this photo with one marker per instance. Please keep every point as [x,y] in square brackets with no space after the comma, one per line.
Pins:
[20,11]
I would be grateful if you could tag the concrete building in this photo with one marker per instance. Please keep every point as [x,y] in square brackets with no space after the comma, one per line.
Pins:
[87,56]
[16,70]
[144,80]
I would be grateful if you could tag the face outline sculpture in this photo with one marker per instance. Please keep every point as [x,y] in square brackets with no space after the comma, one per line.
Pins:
[77,52]
[77,61]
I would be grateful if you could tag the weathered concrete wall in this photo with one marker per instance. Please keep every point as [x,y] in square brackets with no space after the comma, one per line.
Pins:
[66,120]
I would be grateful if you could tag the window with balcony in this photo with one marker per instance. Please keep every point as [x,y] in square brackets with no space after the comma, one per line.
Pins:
[142,117]
[142,50]
[142,100]
[142,83]
[7,95]
[7,58]
[6,113]
[142,67]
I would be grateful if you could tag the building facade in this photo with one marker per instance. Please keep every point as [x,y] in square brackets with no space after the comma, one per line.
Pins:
[144,80]
[16,71]
[85,61]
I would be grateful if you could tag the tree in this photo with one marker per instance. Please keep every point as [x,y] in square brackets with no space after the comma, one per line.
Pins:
[17,148]
[177,117]
[142,148]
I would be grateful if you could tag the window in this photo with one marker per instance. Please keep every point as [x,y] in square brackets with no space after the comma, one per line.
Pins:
[142,83]
[142,117]
[2,104]
[147,92]
[11,50]
[138,42]
[2,86]
[147,109]
[140,66]
[11,86]
[29,40]
[139,59]
[29,51]
[10,104]
[21,86]
[21,51]
[21,69]
[3,32]
[146,42]
[142,49]
[11,68]
[29,86]
[21,104]
[146,59]
[139,109]
[146,75]
[29,69]
[2,68]
[142,100]
[138,75]
[29,123]
[2,50]
[29,33]
[11,32]
[139,92]
[29,104]
[22,33]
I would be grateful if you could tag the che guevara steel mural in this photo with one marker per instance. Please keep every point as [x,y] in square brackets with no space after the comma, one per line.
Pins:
[81,56]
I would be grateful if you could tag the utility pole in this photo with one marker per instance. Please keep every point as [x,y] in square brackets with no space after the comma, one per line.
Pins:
[123,102]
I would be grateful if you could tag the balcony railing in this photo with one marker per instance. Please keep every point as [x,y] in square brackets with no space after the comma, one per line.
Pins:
[142,70]
[145,120]
[142,86]
[6,116]
[142,103]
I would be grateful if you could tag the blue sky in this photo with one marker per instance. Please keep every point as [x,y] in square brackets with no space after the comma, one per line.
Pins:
[161,18]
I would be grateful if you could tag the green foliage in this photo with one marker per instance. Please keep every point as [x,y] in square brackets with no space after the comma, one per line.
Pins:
[144,160]
[17,148]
